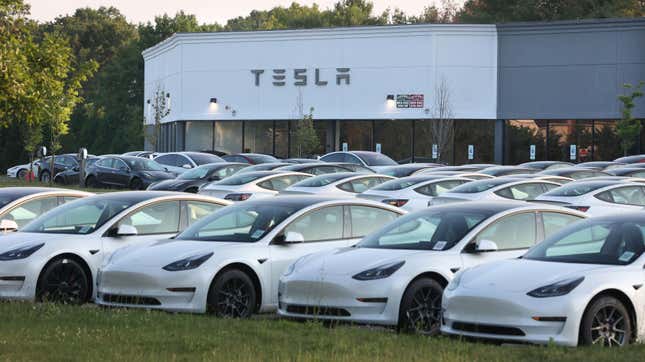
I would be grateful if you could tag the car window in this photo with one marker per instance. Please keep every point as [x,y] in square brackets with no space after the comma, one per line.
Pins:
[438,188]
[555,221]
[365,219]
[516,231]
[168,160]
[632,195]
[281,182]
[196,210]
[227,171]
[29,210]
[105,162]
[158,218]
[360,185]
[118,164]
[182,161]
[65,199]
[69,161]
[588,240]
[334,157]
[349,158]
[527,191]
[319,225]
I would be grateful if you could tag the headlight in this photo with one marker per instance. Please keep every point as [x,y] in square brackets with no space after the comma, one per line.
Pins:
[454,283]
[560,288]
[20,253]
[192,262]
[380,272]
[292,267]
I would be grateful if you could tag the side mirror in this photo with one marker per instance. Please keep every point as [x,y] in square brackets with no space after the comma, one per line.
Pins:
[292,237]
[187,166]
[485,246]
[7,225]
[166,169]
[126,230]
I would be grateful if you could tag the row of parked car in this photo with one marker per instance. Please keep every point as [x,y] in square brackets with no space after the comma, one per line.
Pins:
[540,252]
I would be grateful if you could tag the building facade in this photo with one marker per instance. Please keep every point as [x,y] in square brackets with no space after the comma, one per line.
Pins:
[454,93]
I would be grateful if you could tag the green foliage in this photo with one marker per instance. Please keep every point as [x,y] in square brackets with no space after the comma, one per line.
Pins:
[629,128]
[304,140]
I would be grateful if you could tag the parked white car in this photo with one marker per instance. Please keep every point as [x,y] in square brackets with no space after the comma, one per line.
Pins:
[180,162]
[340,184]
[20,171]
[229,263]
[20,205]
[373,160]
[500,188]
[252,185]
[582,286]
[412,193]
[56,257]
[598,197]
[396,276]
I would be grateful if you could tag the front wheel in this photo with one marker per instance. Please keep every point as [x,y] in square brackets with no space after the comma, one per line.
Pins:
[606,323]
[232,295]
[64,281]
[420,310]
[136,184]
[45,177]
[22,174]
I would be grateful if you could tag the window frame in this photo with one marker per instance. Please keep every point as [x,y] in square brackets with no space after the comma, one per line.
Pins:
[350,221]
[469,247]
[346,235]
[111,231]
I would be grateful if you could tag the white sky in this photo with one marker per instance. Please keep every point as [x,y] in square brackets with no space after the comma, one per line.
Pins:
[207,11]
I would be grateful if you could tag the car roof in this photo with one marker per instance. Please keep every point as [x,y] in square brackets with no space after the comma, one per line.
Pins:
[26,191]
[303,201]
[485,206]
[136,196]
[623,216]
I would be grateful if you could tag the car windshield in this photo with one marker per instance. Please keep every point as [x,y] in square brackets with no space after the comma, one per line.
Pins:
[243,223]
[376,159]
[438,229]
[398,184]
[6,199]
[240,179]
[593,242]
[195,174]
[481,185]
[204,158]
[257,158]
[143,164]
[322,180]
[577,189]
[79,217]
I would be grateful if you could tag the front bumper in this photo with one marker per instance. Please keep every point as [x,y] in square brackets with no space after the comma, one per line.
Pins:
[508,316]
[152,288]
[12,173]
[18,280]
[335,297]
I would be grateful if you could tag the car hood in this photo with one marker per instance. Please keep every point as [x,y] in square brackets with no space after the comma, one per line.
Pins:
[164,252]
[19,239]
[350,261]
[521,275]
[159,175]
[174,184]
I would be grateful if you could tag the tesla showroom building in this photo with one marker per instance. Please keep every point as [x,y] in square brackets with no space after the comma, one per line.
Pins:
[504,93]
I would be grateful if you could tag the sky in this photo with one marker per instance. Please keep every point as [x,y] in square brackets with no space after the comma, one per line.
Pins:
[207,11]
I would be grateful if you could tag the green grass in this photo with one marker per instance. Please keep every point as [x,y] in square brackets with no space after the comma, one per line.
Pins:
[12,182]
[53,332]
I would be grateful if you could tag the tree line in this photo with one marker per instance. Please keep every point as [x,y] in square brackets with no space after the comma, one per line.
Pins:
[77,81]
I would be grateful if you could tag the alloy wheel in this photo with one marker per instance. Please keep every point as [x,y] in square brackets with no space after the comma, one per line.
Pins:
[64,283]
[424,314]
[233,299]
[609,327]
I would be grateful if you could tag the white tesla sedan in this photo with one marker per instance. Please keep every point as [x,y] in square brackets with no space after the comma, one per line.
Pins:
[230,262]
[340,184]
[412,193]
[55,257]
[598,197]
[252,185]
[501,188]
[583,285]
[396,276]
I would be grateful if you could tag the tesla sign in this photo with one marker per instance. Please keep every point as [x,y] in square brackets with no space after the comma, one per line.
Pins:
[301,77]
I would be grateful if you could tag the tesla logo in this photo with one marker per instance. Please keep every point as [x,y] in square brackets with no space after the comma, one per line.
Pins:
[301,77]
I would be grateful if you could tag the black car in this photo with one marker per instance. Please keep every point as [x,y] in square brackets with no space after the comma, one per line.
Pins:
[61,163]
[250,158]
[71,176]
[191,180]
[316,168]
[126,171]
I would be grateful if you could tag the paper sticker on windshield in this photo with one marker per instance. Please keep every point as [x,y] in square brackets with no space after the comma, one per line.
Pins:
[257,233]
[627,256]
[439,245]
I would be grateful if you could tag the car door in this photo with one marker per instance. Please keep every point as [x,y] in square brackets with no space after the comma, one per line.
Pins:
[321,229]
[104,170]
[158,220]
[513,234]
[121,173]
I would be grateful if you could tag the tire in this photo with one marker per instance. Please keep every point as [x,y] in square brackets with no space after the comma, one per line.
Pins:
[59,180]
[606,322]
[192,190]
[45,176]
[22,174]
[420,310]
[92,182]
[232,295]
[64,281]
[136,184]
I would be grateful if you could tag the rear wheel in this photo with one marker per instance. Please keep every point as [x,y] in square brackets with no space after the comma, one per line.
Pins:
[45,176]
[606,323]
[420,310]
[64,281]
[92,182]
[59,180]
[22,174]
[232,295]
[136,184]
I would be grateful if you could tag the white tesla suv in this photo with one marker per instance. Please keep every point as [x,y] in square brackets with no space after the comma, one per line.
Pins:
[396,276]
[583,285]
[229,263]
[56,256]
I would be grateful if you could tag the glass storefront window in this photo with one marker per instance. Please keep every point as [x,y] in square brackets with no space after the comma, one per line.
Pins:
[480,134]
[303,148]
[199,136]
[258,137]
[520,135]
[281,139]
[395,137]
[228,136]
[357,135]
[606,141]
[428,132]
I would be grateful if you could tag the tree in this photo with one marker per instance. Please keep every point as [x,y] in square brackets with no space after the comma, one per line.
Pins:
[442,126]
[304,139]
[629,128]
[159,109]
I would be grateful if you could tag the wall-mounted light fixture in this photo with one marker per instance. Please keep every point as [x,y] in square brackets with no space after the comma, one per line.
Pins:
[390,97]
[214,100]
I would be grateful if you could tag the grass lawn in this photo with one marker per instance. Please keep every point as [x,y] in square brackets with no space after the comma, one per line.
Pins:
[52,332]
[13,182]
